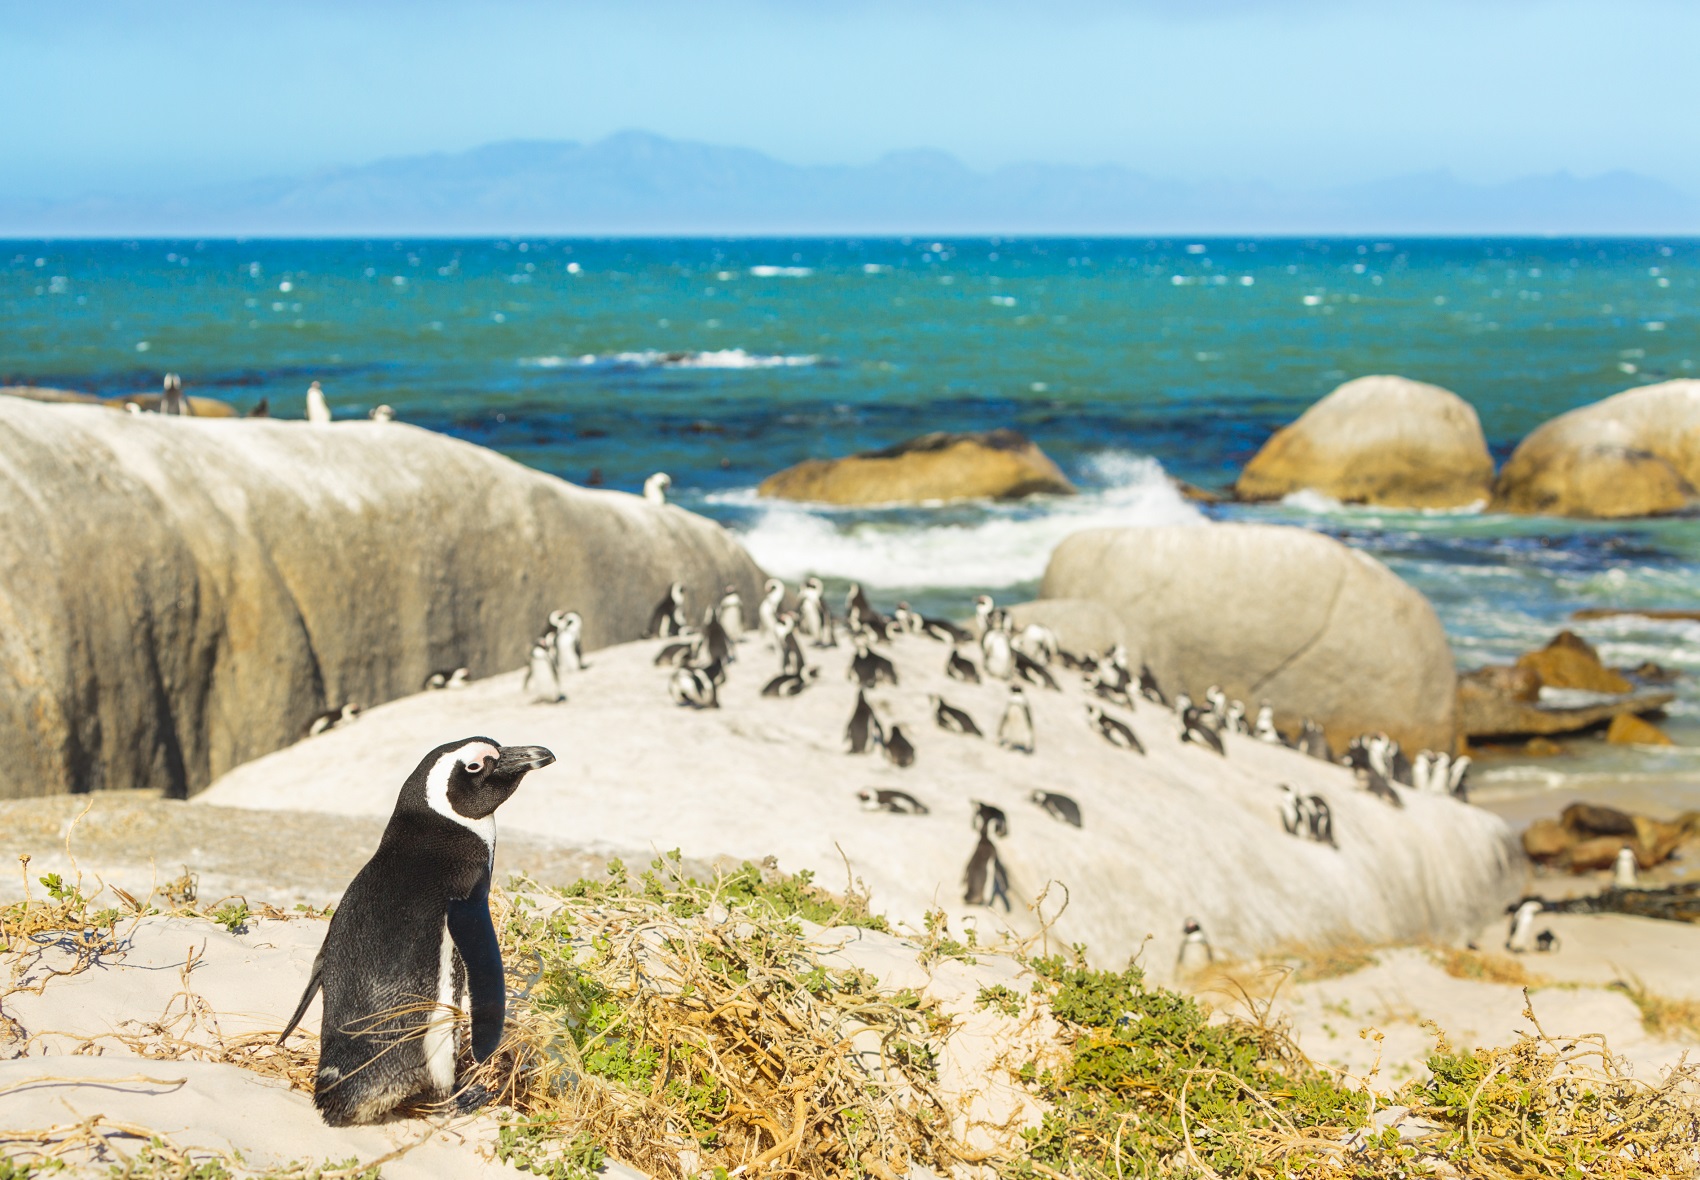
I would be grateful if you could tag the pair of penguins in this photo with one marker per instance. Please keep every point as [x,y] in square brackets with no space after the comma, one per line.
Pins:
[412,943]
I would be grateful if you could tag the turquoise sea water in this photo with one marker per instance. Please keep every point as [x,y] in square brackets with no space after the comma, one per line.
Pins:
[722,361]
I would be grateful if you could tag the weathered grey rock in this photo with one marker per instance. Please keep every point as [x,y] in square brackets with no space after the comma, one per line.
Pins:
[1272,613]
[1636,453]
[1378,440]
[178,596]
[1081,625]
[996,464]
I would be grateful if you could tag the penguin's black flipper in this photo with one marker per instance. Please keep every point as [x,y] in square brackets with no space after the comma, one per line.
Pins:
[474,935]
[314,982]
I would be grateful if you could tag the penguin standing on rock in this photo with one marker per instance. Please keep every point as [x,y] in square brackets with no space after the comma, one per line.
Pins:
[318,409]
[985,881]
[814,616]
[697,687]
[716,641]
[896,802]
[1376,784]
[767,614]
[997,655]
[172,401]
[868,667]
[730,612]
[332,718]
[898,751]
[412,940]
[1059,807]
[1197,730]
[1148,687]
[655,488]
[1015,731]
[569,642]
[863,732]
[1264,730]
[1117,733]
[1314,742]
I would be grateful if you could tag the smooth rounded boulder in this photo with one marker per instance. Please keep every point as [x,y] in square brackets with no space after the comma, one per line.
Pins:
[1385,441]
[182,595]
[997,465]
[1273,614]
[1636,453]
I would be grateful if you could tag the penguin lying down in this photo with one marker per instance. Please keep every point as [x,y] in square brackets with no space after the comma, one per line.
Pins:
[412,939]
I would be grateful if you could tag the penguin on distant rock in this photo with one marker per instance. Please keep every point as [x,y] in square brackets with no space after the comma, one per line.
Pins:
[655,488]
[383,413]
[172,401]
[898,751]
[318,409]
[412,945]
[1196,729]
[985,881]
[1623,874]
[1149,688]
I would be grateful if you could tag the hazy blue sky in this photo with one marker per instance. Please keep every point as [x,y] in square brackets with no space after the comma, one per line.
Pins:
[140,95]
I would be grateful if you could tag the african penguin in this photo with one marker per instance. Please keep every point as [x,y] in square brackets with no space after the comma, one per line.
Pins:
[1264,730]
[951,718]
[1321,821]
[987,615]
[1037,642]
[384,413]
[960,667]
[1293,817]
[680,653]
[1058,807]
[1117,733]
[1216,716]
[863,732]
[1236,718]
[1148,687]
[1623,869]
[172,401]
[411,940]
[331,718]
[1197,730]
[262,408]
[318,410]
[715,639]
[447,678]
[863,616]
[655,488]
[1546,942]
[1196,952]
[943,630]
[1015,730]
[1458,781]
[730,612]
[668,617]
[988,818]
[868,667]
[1314,742]
[789,684]
[790,651]
[1523,914]
[896,802]
[898,751]
[1032,671]
[905,620]
[543,673]
[814,616]
[1376,784]
[697,687]
[985,881]
[767,614]
[569,643]
[997,655]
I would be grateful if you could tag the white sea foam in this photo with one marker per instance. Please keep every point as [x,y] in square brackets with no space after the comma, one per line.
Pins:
[985,545]
[782,272]
[722,358]
[1316,503]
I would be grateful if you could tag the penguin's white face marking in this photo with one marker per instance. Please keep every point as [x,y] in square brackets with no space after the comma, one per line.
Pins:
[474,758]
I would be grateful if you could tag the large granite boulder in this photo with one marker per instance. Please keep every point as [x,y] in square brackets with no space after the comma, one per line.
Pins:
[1636,453]
[999,464]
[1378,440]
[1272,613]
[180,596]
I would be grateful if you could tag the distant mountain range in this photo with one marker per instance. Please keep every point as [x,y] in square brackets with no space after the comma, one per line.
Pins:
[637,183]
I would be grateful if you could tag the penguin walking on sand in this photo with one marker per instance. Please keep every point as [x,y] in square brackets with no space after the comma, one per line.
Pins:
[951,718]
[668,617]
[655,488]
[730,612]
[767,614]
[868,667]
[543,673]
[1523,914]
[332,718]
[896,802]
[959,667]
[1264,730]
[1059,807]
[1197,730]
[1117,733]
[985,881]
[569,642]
[411,943]
[863,732]
[1196,952]
[814,616]
[318,409]
[1015,731]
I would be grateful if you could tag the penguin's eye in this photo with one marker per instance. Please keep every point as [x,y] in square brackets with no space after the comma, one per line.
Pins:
[475,767]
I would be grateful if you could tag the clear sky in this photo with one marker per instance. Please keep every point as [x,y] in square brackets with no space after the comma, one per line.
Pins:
[147,94]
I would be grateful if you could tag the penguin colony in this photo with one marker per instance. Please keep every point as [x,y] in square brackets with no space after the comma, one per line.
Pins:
[174,403]
[699,654]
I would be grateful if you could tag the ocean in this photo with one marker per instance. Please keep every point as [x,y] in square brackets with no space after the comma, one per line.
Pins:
[1127,360]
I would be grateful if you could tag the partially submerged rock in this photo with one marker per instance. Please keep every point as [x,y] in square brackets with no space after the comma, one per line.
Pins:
[1380,440]
[1562,688]
[997,464]
[1272,613]
[183,595]
[1587,837]
[1636,453]
[1569,661]
[1629,730]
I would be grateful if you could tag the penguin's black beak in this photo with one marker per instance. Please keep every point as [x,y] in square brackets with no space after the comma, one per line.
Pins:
[517,760]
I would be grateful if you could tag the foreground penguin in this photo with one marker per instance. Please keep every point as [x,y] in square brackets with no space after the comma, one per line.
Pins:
[412,939]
